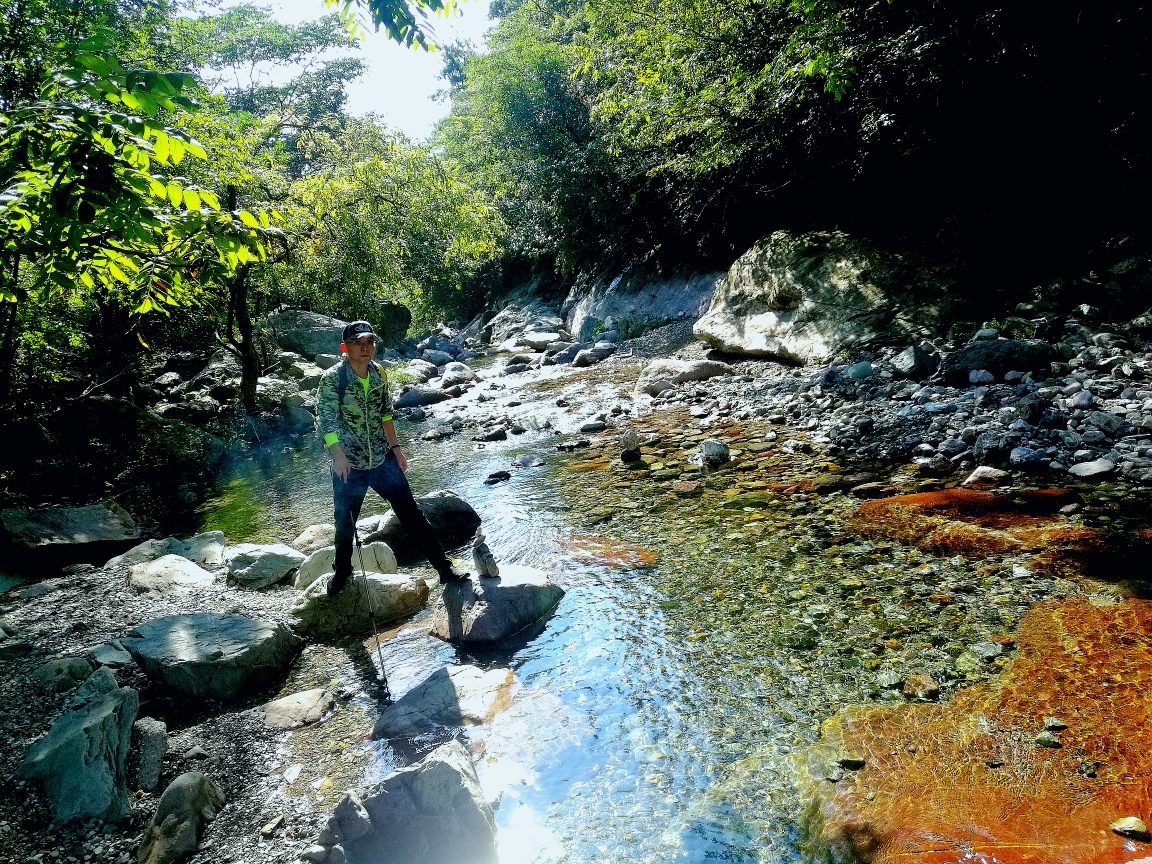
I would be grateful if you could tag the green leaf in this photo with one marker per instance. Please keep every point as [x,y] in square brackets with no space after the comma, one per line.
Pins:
[191,200]
[210,198]
[248,219]
[160,147]
[175,193]
[93,64]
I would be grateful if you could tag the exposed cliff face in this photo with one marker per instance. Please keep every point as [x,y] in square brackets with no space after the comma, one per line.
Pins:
[804,298]
[633,310]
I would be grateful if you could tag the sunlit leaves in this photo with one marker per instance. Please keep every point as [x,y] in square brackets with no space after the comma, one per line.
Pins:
[87,199]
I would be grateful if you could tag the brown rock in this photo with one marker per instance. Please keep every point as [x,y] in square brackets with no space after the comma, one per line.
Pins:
[688,488]
[921,687]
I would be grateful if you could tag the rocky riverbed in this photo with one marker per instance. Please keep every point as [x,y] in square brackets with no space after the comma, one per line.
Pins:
[767,551]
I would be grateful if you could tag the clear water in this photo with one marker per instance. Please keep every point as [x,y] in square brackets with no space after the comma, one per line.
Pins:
[625,742]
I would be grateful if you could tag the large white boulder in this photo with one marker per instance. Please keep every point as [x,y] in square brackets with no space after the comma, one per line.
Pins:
[450,696]
[483,609]
[805,298]
[378,558]
[167,574]
[81,762]
[257,565]
[213,655]
[393,595]
[432,812]
[659,375]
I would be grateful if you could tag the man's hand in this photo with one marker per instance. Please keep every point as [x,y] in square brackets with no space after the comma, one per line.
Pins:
[340,462]
[401,461]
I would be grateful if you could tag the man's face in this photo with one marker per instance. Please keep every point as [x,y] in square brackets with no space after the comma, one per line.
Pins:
[361,349]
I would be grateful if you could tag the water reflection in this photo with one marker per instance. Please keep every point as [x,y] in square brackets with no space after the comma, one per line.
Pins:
[608,752]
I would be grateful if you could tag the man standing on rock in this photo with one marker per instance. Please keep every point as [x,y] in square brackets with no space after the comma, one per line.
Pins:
[355,410]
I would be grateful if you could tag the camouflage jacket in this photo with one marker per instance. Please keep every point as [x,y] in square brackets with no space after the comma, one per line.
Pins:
[358,422]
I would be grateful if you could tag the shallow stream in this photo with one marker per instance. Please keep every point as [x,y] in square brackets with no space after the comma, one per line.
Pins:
[696,651]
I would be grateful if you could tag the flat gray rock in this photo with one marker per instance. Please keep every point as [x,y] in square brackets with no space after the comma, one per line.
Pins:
[258,565]
[432,812]
[110,654]
[167,574]
[298,709]
[394,595]
[213,655]
[206,548]
[81,761]
[451,517]
[488,610]
[68,526]
[1092,470]
[450,696]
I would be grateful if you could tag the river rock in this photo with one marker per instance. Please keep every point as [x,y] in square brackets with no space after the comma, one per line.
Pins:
[568,354]
[314,537]
[298,709]
[714,452]
[419,396]
[63,674]
[206,548]
[420,370]
[257,565]
[997,357]
[149,744]
[450,696]
[803,298]
[306,333]
[393,596]
[187,805]
[592,356]
[915,362]
[100,682]
[659,375]
[212,655]
[111,654]
[429,813]
[167,574]
[985,477]
[488,610]
[451,517]
[81,761]
[1094,470]
[436,358]
[68,534]
[378,558]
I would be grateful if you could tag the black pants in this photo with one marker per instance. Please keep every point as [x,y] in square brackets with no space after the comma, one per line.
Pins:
[391,485]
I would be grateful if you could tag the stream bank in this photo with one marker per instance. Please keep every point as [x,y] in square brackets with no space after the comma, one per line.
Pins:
[715,617]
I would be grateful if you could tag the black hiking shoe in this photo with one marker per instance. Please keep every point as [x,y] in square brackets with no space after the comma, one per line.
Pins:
[337,584]
[451,575]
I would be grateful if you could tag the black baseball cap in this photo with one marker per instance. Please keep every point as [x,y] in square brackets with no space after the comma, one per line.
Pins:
[355,330]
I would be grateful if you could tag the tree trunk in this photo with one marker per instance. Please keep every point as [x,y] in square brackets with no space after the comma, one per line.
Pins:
[8,318]
[245,345]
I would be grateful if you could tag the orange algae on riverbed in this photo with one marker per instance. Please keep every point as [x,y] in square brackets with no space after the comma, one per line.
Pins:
[976,524]
[967,782]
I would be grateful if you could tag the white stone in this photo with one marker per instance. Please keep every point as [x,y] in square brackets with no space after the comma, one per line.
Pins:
[257,565]
[169,573]
[298,709]
[378,558]
[986,477]
[393,596]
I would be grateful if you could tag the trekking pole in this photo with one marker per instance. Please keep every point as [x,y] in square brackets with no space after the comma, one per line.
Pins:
[371,611]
